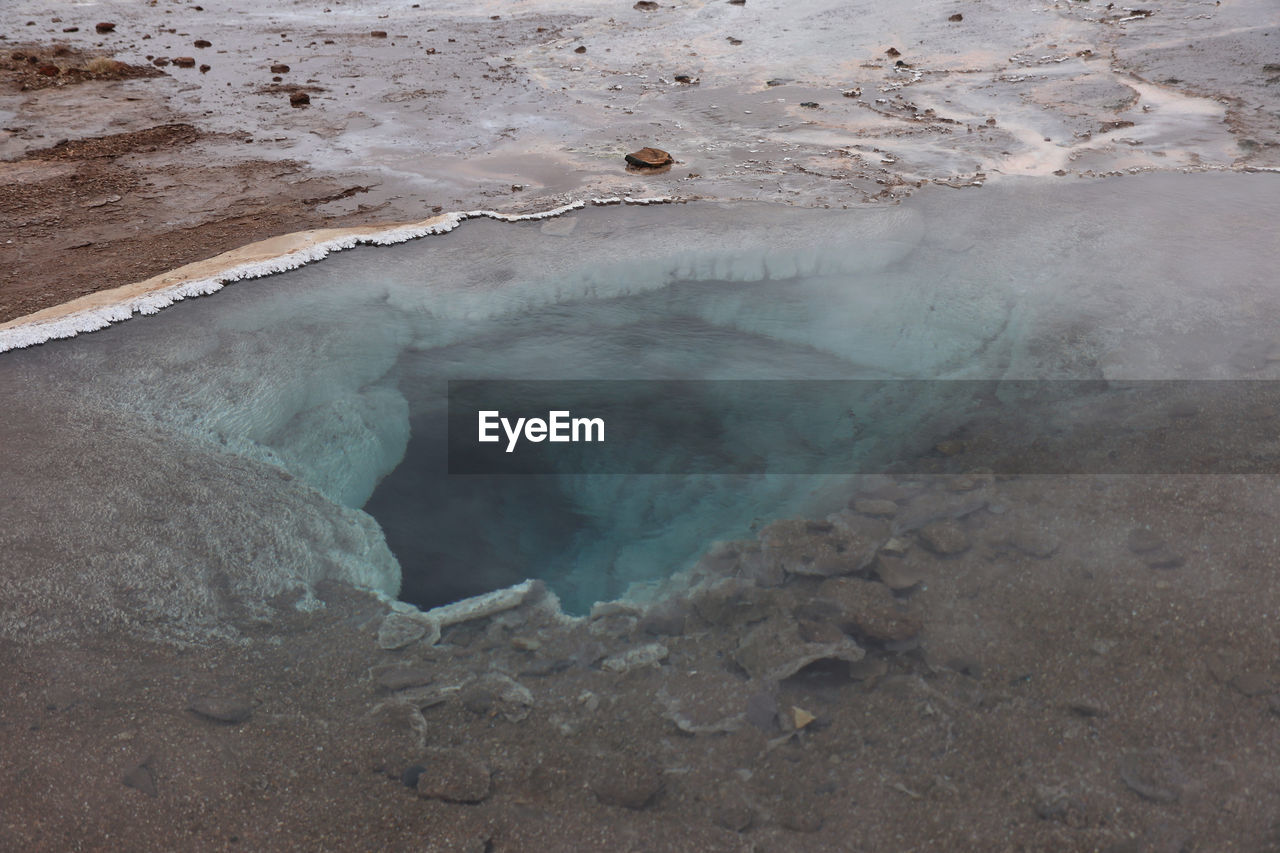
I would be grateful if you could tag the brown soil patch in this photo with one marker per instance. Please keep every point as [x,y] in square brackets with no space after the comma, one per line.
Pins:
[89,214]
[29,67]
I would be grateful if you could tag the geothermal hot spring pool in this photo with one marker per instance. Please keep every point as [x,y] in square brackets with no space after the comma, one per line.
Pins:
[298,427]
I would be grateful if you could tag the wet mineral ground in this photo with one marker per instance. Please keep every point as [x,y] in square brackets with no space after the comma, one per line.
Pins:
[964,662]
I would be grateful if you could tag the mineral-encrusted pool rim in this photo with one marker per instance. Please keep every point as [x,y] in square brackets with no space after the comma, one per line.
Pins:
[255,260]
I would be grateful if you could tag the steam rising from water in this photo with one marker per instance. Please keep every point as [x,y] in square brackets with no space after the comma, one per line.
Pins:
[333,375]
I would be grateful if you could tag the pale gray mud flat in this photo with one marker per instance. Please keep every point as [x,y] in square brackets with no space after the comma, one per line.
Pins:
[199,637]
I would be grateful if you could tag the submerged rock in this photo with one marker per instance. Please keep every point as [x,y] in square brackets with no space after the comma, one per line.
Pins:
[776,649]
[817,549]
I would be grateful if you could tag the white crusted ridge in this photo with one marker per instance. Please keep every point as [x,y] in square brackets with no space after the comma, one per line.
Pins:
[99,317]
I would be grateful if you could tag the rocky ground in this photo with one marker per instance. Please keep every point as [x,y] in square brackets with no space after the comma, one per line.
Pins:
[944,665]
[188,136]
[951,663]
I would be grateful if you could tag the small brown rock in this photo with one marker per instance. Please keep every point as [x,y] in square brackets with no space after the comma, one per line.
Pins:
[299,99]
[956,17]
[204,69]
[49,70]
[378,34]
[645,5]
[202,43]
[651,158]
[893,51]
[279,68]
[580,49]
[184,61]
[104,27]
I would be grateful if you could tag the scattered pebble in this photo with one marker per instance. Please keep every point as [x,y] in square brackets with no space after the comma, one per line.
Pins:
[279,68]
[104,27]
